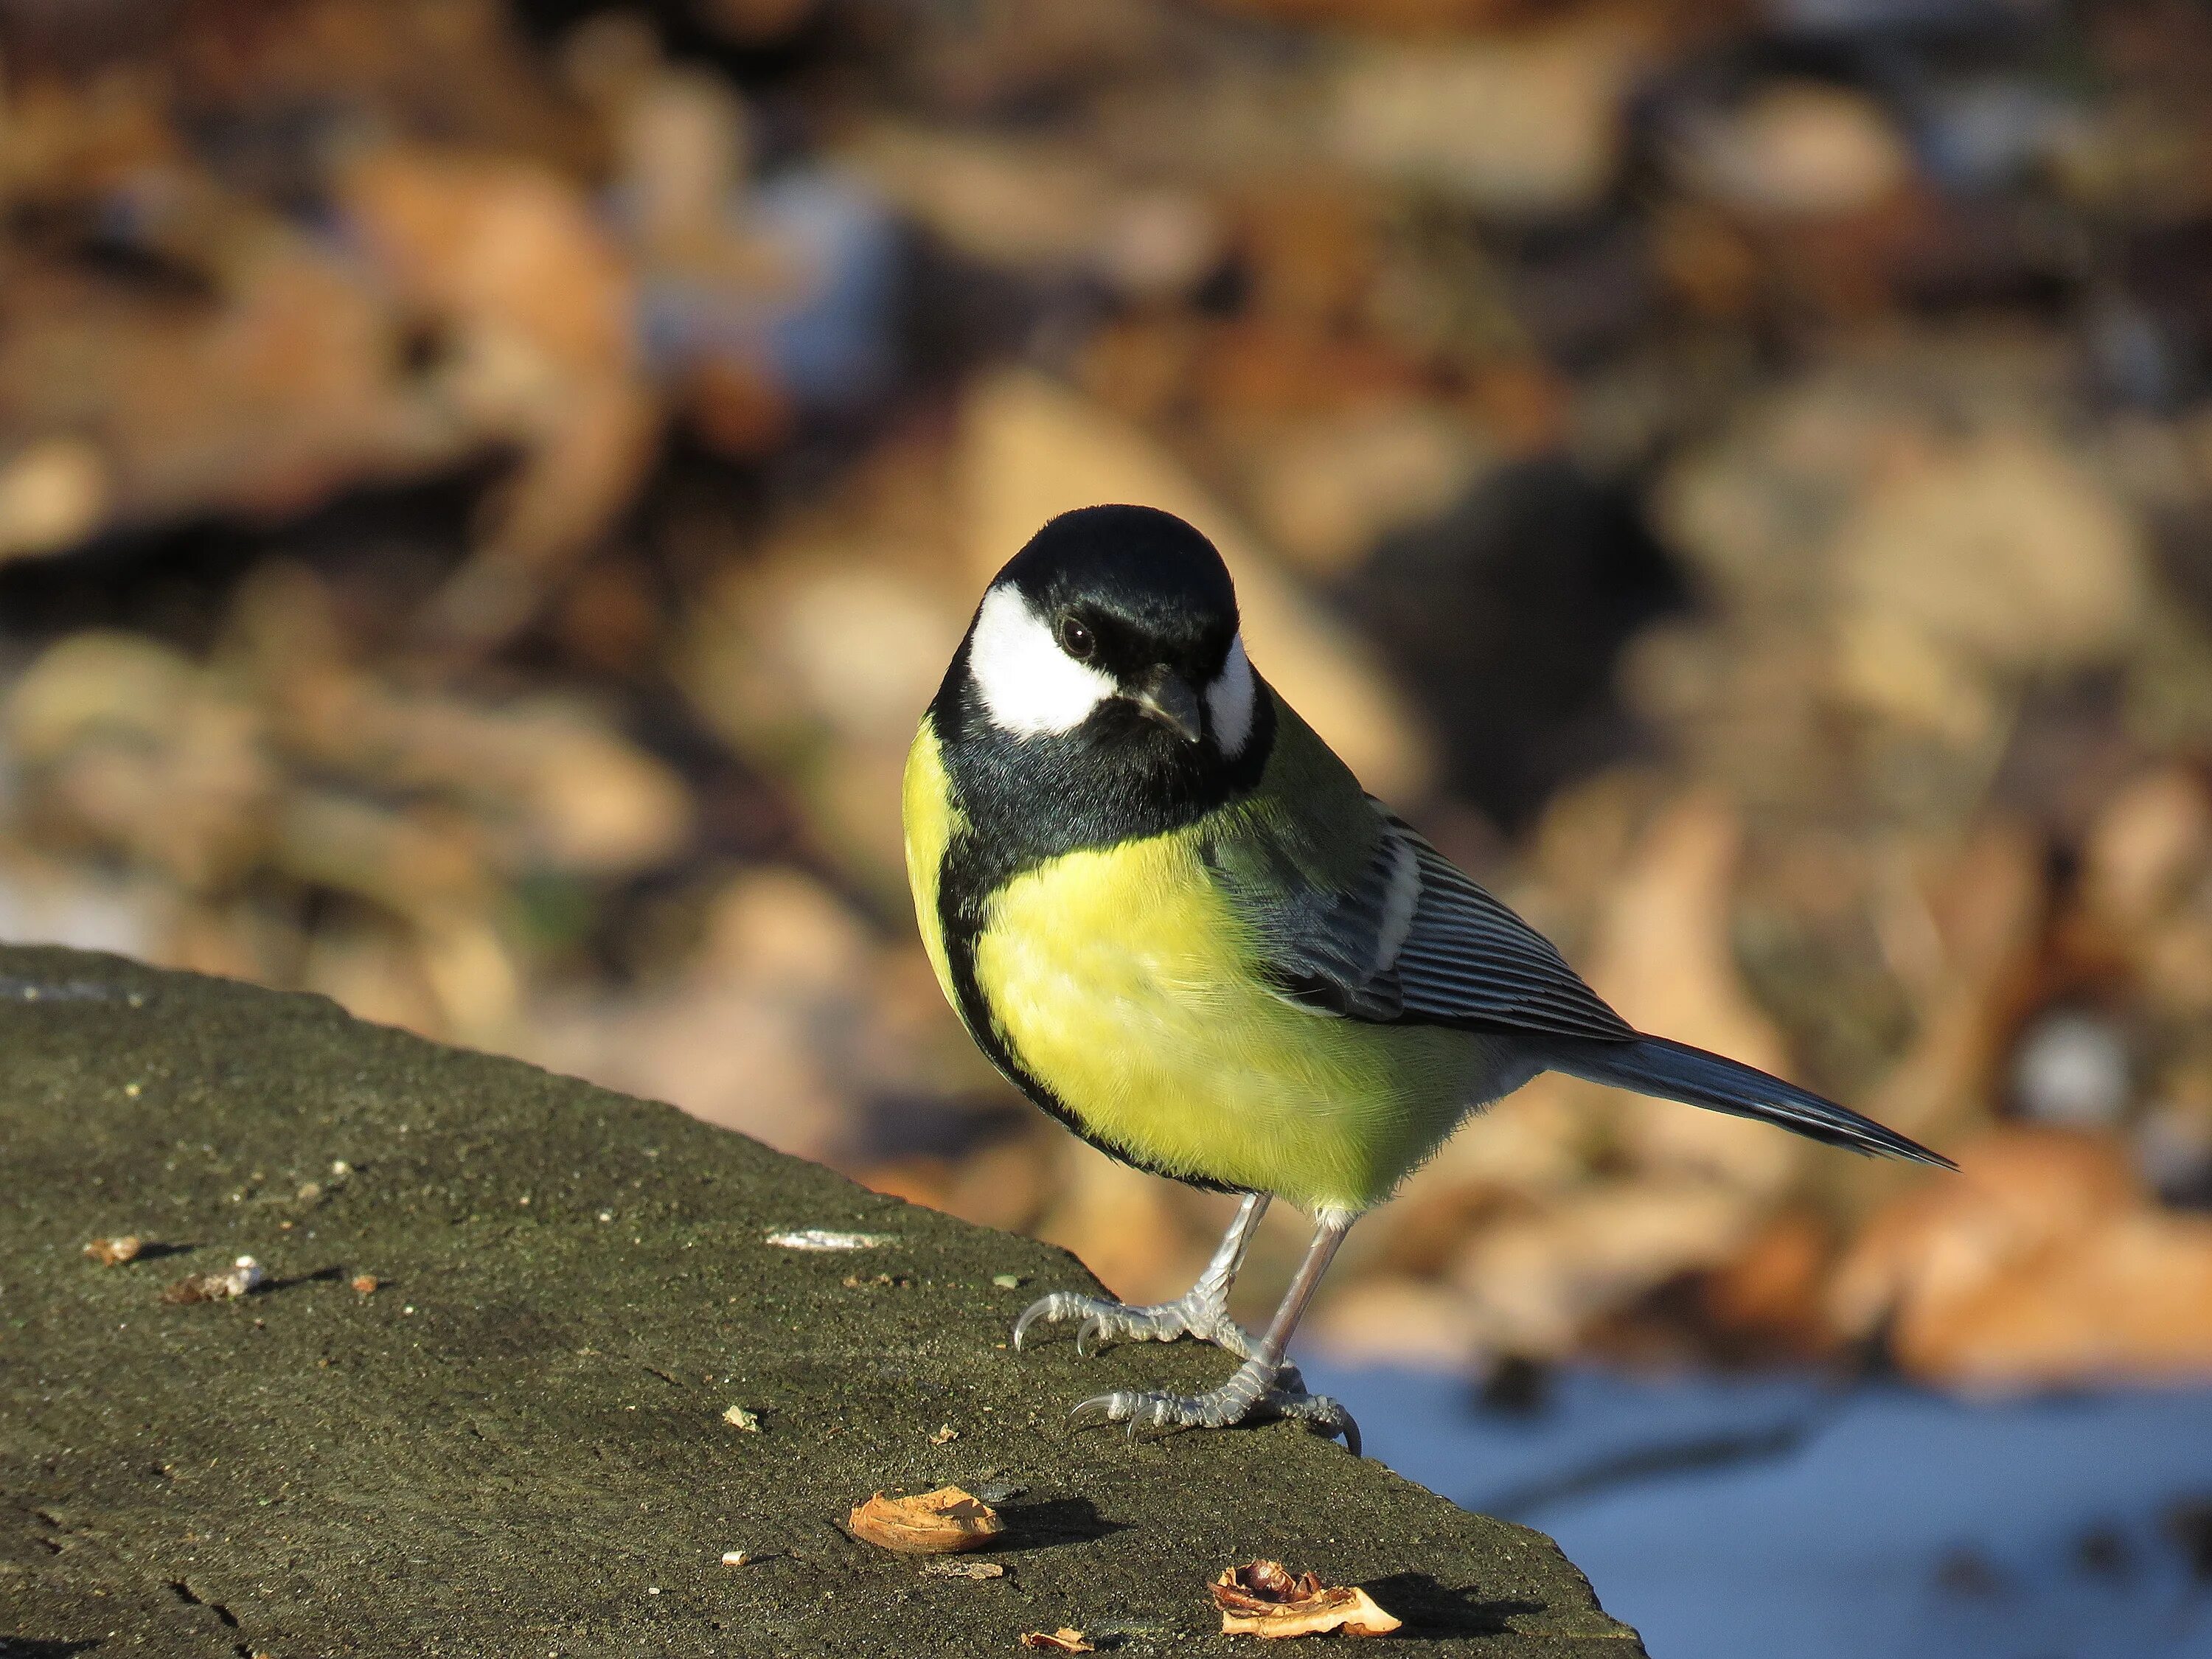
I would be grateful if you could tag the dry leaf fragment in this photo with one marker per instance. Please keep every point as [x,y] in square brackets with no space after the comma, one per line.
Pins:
[827,1238]
[1264,1598]
[233,1281]
[936,1523]
[1063,1640]
[114,1252]
[964,1569]
[738,1417]
[365,1283]
[945,1436]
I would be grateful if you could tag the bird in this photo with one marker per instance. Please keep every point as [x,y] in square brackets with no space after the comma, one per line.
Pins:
[1168,913]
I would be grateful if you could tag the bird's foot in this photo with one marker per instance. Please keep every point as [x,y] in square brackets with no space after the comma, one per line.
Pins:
[1205,1317]
[1257,1393]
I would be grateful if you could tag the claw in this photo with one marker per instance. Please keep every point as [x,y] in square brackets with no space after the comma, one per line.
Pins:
[1329,1416]
[1050,1309]
[1106,1323]
[1244,1398]
[1110,1408]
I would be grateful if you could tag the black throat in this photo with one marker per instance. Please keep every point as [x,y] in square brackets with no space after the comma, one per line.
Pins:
[1117,777]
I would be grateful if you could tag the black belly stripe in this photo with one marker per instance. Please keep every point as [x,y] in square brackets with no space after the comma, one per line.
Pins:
[960,917]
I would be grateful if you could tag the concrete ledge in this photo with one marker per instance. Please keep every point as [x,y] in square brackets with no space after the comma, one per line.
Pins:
[516,1445]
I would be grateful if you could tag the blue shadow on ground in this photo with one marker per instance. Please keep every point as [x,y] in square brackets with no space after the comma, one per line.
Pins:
[1784,1518]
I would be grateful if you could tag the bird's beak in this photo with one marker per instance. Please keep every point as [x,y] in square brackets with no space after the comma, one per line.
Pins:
[1165,696]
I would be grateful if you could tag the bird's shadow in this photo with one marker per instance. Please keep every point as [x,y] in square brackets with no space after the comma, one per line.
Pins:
[319,1276]
[1435,1610]
[1055,1522]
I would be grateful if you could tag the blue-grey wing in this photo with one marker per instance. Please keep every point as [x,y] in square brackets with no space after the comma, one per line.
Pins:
[1411,939]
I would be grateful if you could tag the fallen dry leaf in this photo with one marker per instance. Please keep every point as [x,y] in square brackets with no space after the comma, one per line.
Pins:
[1063,1640]
[824,1239]
[936,1523]
[1263,1598]
[114,1252]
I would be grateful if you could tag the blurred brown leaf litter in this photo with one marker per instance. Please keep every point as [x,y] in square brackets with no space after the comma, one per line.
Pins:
[486,488]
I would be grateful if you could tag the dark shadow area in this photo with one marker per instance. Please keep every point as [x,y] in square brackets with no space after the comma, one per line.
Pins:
[1710,1452]
[387,545]
[2188,1524]
[1505,617]
[184,1592]
[1055,1522]
[39,1647]
[1437,1610]
[150,1251]
[331,1275]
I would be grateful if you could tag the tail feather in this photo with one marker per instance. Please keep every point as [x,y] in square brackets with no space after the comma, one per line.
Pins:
[1675,1070]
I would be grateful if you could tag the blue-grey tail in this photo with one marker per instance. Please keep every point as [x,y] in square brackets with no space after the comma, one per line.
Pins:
[1675,1070]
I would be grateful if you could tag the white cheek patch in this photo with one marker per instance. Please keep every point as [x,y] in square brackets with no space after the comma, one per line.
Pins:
[1228,699]
[1029,686]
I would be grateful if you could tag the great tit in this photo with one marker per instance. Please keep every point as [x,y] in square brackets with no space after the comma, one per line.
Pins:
[1169,914]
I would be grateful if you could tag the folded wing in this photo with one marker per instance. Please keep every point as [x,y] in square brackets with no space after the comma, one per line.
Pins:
[1409,940]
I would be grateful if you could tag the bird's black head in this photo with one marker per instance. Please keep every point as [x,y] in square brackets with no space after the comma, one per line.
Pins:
[1105,661]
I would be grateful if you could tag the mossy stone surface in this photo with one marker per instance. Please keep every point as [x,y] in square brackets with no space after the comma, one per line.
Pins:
[516,1445]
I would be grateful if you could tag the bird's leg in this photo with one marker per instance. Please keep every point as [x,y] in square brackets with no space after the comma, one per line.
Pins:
[1201,1311]
[1266,1385]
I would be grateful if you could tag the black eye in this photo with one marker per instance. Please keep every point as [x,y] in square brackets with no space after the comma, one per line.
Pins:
[1079,641]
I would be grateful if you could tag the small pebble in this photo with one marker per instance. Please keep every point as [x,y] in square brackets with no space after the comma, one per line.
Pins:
[738,1417]
[365,1283]
[1007,1281]
[735,1558]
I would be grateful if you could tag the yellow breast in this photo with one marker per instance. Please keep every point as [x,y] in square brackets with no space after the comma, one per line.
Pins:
[1122,981]
[926,805]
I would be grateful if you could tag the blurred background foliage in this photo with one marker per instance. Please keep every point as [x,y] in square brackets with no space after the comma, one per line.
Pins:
[485,490]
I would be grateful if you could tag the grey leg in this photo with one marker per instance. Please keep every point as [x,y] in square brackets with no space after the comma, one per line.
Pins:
[1201,1311]
[1264,1385]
